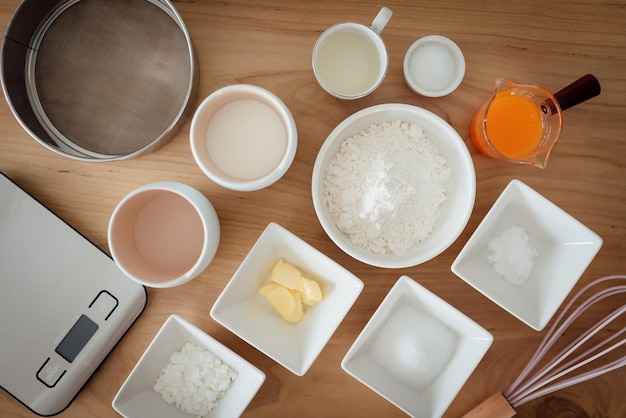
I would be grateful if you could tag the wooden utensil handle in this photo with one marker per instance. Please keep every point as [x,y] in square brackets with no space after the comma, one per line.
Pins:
[495,406]
[579,91]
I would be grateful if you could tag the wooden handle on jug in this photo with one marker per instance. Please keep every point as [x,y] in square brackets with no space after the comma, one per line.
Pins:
[495,406]
[583,89]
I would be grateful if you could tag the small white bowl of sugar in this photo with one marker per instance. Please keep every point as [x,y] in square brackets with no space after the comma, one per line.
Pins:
[434,66]
[243,137]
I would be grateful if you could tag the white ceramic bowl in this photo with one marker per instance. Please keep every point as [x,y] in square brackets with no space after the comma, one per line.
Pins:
[417,351]
[243,137]
[434,66]
[163,234]
[137,399]
[241,309]
[461,187]
[565,248]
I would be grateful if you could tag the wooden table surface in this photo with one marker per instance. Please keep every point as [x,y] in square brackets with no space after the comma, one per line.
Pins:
[269,43]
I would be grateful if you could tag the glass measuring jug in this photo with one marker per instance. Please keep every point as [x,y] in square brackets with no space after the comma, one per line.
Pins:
[521,123]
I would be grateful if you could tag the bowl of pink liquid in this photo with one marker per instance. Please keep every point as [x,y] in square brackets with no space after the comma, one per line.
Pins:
[243,137]
[163,234]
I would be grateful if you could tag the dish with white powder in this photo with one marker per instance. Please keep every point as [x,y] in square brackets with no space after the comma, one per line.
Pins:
[385,187]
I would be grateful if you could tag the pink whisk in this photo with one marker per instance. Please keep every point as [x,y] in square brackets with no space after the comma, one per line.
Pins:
[553,375]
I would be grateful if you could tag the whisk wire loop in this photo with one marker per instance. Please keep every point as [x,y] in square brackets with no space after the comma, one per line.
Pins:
[522,391]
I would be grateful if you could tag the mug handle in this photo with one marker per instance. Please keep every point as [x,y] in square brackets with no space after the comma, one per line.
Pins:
[381,20]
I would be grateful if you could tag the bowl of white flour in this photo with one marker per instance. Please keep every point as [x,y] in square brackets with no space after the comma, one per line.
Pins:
[393,185]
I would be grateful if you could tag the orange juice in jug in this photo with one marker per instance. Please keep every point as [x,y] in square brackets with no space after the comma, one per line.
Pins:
[513,127]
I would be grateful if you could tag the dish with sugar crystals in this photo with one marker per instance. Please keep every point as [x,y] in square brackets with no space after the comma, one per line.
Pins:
[511,255]
[416,351]
[414,347]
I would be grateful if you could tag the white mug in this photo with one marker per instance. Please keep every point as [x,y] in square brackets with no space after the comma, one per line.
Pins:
[163,234]
[350,59]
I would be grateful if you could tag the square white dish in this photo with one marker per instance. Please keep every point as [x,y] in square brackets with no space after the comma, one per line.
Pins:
[245,312]
[410,324]
[137,399]
[565,248]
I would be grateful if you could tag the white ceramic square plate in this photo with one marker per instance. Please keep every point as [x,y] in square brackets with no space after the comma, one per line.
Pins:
[241,308]
[565,247]
[137,399]
[417,351]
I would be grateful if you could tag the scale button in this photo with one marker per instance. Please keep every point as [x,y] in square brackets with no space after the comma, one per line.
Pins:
[50,373]
[104,304]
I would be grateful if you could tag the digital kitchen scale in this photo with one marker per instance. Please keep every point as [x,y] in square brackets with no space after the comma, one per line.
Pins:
[64,304]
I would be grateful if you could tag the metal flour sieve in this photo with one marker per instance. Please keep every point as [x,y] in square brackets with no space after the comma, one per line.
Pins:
[99,80]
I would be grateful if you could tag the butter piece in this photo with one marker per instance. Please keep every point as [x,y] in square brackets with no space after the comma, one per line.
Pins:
[287,275]
[288,290]
[312,293]
[298,312]
[281,298]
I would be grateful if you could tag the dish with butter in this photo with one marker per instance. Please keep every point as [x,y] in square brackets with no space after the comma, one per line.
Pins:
[289,290]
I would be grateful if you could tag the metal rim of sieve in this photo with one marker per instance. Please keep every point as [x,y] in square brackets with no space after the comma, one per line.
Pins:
[49,117]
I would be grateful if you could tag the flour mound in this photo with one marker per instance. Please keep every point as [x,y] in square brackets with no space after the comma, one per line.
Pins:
[385,187]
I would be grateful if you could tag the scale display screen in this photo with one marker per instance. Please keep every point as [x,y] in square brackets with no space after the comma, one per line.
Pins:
[76,338]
